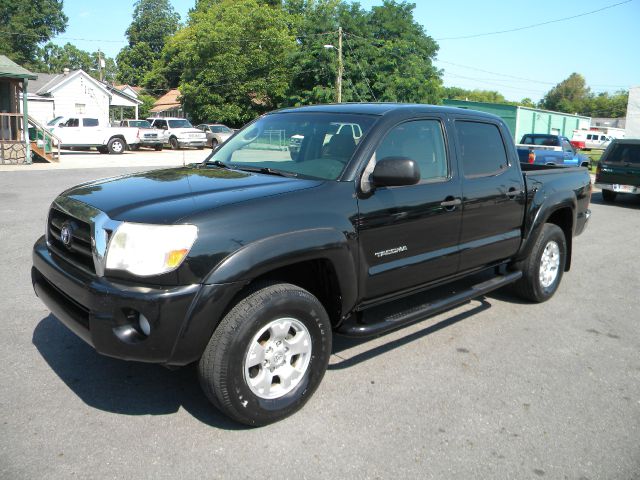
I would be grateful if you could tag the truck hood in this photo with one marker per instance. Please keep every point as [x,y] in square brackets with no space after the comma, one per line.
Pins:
[171,195]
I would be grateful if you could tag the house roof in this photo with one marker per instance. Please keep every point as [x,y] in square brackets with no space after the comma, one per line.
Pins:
[10,69]
[168,101]
[48,82]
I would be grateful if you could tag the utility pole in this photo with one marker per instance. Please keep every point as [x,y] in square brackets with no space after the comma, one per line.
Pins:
[100,64]
[339,75]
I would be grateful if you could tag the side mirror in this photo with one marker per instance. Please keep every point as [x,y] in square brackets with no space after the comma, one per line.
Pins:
[585,164]
[395,172]
[61,124]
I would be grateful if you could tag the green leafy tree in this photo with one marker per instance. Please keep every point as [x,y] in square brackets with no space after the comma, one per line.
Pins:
[570,95]
[153,22]
[491,96]
[387,55]
[26,25]
[54,59]
[234,60]
[607,105]
[147,104]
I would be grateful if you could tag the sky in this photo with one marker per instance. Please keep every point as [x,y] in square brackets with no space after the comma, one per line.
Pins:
[603,46]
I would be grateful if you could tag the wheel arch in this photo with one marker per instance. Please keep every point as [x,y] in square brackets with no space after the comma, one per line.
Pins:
[318,260]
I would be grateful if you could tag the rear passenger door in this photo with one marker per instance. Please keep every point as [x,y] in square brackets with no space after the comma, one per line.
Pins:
[408,235]
[492,193]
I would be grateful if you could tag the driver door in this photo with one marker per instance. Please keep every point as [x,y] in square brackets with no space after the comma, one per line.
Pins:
[408,235]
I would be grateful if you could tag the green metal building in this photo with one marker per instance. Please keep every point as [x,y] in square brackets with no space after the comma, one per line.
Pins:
[523,120]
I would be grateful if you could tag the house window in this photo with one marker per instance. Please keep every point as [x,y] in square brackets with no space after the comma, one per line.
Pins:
[80,108]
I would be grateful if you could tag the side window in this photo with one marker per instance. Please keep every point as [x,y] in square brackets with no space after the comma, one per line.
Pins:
[420,140]
[90,122]
[72,122]
[566,146]
[481,149]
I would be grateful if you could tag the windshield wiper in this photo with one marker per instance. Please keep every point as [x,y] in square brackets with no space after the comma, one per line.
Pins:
[268,171]
[215,163]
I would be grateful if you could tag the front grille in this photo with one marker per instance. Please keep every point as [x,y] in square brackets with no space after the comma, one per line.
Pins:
[78,250]
[150,135]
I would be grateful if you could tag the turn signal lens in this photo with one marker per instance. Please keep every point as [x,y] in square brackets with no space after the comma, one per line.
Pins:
[175,257]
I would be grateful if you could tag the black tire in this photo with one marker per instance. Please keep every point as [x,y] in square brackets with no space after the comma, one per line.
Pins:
[102,149]
[173,141]
[157,148]
[530,286]
[222,366]
[214,143]
[116,146]
[135,147]
[608,195]
[200,147]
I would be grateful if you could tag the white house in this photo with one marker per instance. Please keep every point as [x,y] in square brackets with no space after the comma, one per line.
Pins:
[66,94]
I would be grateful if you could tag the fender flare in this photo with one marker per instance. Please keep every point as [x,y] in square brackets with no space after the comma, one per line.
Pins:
[268,254]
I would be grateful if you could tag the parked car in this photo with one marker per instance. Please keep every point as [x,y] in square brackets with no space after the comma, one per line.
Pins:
[149,137]
[178,132]
[248,261]
[84,132]
[618,170]
[590,139]
[216,133]
[546,149]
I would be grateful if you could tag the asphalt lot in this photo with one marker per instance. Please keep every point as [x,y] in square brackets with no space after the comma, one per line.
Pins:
[493,389]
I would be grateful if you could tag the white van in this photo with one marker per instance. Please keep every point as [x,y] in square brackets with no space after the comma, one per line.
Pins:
[588,139]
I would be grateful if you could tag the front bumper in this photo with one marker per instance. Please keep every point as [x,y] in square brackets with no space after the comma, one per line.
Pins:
[150,141]
[103,313]
[619,188]
[192,142]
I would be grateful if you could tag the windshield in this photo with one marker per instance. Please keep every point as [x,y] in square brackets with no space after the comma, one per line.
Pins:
[625,153]
[304,144]
[543,140]
[54,122]
[182,123]
[139,123]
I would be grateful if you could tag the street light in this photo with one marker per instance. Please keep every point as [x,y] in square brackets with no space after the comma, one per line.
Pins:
[339,74]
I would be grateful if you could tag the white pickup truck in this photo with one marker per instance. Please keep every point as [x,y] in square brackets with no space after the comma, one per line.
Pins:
[80,131]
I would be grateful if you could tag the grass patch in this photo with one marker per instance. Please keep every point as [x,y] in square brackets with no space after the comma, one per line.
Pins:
[594,155]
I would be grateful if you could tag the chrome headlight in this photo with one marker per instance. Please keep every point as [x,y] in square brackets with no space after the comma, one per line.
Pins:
[146,250]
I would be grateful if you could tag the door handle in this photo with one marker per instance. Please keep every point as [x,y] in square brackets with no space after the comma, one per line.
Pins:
[512,193]
[450,203]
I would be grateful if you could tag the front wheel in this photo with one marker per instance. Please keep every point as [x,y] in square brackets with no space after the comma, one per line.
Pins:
[157,148]
[542,269]
[173,141]
[116,146]
[214,143]
[268,354]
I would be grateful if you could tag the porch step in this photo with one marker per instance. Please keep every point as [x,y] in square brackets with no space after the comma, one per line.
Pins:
[42,152]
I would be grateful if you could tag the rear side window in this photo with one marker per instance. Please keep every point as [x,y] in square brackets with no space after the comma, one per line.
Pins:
[624,153]
[90,122]
[481,149]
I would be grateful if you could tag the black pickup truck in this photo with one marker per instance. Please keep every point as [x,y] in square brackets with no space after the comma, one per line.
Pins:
[248,262]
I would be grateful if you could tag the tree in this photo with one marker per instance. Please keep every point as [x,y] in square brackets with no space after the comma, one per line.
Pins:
[568,96]
[153,22]
[387,55]
[54,59]
[234,60]
[491,96]
[25,25]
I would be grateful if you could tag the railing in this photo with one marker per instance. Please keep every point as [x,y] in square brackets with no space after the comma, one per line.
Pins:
[43,142]
[44,139]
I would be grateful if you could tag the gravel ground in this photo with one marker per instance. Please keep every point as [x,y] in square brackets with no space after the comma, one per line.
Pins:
[494,389]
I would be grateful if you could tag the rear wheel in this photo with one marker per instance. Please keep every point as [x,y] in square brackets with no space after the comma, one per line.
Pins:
[608,195]
[158,148]
[134,147]
[268,355]
[116,146]
[542,269]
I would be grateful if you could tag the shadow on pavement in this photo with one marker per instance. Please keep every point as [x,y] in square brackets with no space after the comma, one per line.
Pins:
[117,386]
[343,343]
[623,200]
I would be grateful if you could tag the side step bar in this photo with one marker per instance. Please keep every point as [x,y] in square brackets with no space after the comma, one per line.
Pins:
[400,319]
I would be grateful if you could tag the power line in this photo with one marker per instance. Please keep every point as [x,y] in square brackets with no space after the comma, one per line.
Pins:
[517,29]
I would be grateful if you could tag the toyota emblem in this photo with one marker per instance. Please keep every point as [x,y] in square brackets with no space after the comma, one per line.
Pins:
[66,235]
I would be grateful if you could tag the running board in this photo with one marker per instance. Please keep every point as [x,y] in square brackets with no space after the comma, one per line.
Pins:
[367,327]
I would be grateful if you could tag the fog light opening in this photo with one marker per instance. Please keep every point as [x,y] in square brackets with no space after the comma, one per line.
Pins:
[144,325]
